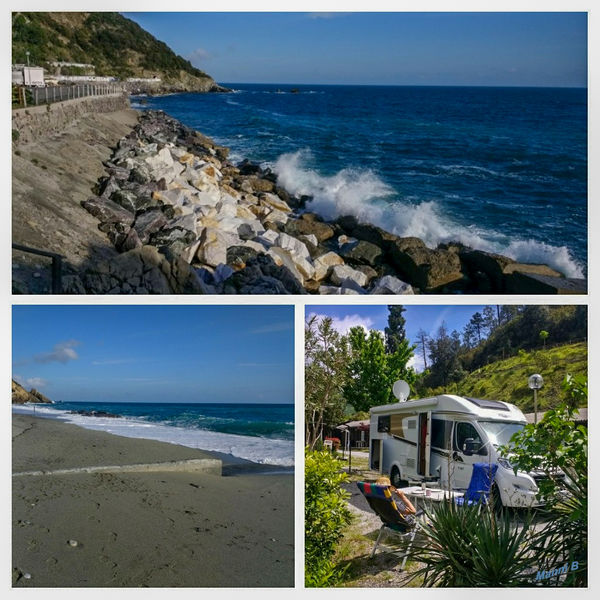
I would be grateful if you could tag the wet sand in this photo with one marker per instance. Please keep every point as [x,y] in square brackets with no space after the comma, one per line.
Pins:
[167,529]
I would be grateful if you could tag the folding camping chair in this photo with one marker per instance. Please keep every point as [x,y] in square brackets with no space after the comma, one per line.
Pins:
[480,485]
[380,499]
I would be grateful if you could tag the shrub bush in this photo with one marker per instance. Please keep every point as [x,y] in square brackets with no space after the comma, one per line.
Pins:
[326,515]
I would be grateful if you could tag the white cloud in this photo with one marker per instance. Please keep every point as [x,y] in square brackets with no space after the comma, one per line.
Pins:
[30,382]
[114,361]
[345,324]
[273,327]
[62,352]
[199,55]
[36,382]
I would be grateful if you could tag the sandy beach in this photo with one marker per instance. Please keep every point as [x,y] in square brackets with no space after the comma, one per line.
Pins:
[163,529]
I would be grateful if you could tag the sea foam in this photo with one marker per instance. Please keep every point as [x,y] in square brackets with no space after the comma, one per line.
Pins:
[256,449]
[362,193]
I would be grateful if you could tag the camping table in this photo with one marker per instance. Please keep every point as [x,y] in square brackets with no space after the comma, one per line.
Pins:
[417,495]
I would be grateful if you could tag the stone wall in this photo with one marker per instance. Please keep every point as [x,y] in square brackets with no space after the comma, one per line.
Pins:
[29,124]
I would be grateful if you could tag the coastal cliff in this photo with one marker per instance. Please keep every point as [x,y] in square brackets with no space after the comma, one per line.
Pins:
[103,44]
[21,396]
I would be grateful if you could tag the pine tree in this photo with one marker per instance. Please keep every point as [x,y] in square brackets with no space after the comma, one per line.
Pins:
[395,333]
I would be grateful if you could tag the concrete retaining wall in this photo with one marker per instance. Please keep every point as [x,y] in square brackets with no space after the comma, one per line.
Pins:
[29,124]
[207,466]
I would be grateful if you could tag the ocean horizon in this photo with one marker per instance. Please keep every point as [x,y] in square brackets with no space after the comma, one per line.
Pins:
[500,169]
[260,433]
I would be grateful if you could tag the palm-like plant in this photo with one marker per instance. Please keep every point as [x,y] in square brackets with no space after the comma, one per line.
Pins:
[471,546]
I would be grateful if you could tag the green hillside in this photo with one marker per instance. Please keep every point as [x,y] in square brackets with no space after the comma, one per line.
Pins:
[506,380]
[112,43]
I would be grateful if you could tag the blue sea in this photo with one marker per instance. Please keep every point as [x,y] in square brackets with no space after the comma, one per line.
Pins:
[261,433]
[499,169]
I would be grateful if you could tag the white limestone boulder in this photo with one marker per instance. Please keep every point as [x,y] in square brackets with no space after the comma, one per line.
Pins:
[175,197]
[211,196]
[301,264]
[276,216]
[267,238]
[391,285]
[283,258]
[213,246]
[339,273]
[292,245]
[274,201]
[323,264]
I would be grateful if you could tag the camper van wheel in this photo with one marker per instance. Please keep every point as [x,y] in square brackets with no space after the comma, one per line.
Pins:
[496,499]
[396,478]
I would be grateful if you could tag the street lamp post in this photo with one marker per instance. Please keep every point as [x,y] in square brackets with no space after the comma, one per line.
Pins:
[27,54]
[535,382]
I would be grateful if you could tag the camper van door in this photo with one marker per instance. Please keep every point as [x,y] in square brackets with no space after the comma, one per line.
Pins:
[467,449]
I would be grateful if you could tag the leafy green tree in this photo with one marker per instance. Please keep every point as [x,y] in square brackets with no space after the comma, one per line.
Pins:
[325,516]
[444,351]
[489,319]
[469,336]
[372,372]
[326,359]
[544,336]
[558,447]
[477,325]
[576,392]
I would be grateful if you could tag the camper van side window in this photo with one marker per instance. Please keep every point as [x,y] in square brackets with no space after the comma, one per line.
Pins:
[440,433]
[463,432]
[383,424]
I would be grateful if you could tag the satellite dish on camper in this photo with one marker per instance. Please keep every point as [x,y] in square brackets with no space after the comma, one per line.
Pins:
[401,390]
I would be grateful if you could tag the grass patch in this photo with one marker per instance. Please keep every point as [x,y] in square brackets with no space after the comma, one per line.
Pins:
[506,380]
[383,570]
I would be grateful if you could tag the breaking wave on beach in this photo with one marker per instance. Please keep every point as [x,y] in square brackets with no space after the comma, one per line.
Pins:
[363,194]
[257,449]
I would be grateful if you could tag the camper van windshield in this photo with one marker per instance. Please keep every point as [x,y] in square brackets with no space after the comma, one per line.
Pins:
[498,432]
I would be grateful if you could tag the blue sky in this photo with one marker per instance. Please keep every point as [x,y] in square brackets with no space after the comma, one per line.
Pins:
[428,48]
[156,353]
[426,317]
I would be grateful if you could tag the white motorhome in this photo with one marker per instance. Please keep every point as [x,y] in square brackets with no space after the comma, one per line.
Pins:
[440,438]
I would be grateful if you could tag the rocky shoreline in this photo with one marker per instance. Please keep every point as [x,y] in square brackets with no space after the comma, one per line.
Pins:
[187,220]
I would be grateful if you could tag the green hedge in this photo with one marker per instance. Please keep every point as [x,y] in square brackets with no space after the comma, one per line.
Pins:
[326,516]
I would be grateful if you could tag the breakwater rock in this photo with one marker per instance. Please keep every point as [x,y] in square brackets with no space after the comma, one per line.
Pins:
[187,220]
[95,413]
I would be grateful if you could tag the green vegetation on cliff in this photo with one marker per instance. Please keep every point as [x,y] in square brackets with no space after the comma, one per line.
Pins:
[500,347]
[112,43]
[506,380]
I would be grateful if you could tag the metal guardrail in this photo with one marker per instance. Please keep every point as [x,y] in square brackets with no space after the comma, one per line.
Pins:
[56,265]
[58,93]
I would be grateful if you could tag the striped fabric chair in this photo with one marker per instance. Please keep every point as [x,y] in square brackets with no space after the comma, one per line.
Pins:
[380,499]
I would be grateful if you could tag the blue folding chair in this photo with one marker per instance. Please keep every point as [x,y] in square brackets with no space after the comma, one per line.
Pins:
[480,485]
[380,499]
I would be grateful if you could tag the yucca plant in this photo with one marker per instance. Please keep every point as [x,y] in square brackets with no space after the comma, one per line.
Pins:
[472,546]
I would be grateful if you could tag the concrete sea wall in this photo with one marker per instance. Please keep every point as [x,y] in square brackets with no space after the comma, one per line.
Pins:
[30,124]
